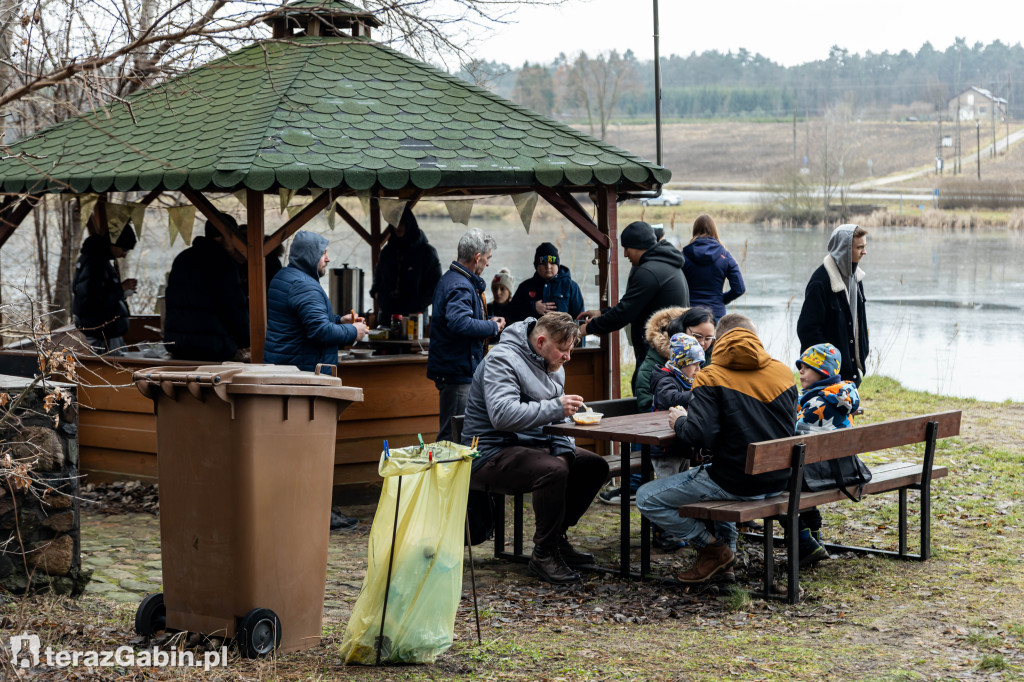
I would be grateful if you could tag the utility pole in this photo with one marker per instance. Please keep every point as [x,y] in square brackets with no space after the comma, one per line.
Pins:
[993,117]
[657,85]
[938,147]
[978,123]
[795,164]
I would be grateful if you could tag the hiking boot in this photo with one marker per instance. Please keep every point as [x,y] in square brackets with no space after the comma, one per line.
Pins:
[342,522]
[614,496]
[571,556]
[749,527]
[710,560]
[811,552]
[549,566]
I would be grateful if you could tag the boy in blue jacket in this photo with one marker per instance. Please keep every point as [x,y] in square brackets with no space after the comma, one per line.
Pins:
[825,404]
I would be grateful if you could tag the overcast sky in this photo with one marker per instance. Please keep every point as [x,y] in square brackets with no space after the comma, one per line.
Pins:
[786,31]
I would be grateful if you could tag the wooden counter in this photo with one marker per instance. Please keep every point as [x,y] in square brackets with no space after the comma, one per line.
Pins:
[117,428]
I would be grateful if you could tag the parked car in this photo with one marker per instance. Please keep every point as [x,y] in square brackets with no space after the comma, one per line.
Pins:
[666,199]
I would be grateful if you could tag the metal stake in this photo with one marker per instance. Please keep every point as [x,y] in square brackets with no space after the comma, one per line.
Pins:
[472,575]
[391,560]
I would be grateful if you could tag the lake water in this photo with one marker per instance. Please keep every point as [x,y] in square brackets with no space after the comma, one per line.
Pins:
[945,309]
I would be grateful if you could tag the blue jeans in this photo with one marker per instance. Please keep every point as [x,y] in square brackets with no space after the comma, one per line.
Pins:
[452,403]
[660,500]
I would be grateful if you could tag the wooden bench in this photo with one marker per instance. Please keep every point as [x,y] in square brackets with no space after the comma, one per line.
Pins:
[610,408]
[795,452]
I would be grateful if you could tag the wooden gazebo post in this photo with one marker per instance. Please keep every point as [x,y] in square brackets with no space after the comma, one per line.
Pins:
[607,223]
[257,273]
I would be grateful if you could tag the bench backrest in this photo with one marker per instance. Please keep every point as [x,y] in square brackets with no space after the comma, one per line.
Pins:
[773,455]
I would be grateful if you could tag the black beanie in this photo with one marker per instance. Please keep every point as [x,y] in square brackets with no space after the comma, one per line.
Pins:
[126,240]
[638,235]
[544,252]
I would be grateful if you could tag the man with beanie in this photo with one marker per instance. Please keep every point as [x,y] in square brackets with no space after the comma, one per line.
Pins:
[744,396]
[833,309]
[459,326]
[98,305]
[407,272]
[207,311]
[302,329]
[655,282]
[551,289]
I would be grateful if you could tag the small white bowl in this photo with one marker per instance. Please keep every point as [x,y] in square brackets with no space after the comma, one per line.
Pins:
[587,418]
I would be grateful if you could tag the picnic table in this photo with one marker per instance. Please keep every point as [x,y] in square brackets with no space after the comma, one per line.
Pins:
[645,429]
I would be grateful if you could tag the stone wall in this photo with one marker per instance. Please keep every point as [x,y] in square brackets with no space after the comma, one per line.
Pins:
[40,542]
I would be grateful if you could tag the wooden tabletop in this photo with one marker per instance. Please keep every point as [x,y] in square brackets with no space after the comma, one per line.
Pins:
[649,428]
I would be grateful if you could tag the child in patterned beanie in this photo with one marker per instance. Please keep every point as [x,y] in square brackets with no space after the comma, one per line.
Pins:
[826,404]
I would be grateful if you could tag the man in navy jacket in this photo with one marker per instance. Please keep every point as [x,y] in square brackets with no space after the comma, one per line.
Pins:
[302,330]
[459,326]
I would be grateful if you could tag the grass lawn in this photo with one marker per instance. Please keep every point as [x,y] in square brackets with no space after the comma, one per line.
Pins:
[957,616]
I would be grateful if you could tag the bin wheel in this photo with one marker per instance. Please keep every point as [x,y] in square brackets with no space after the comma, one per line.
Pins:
[151,616]
[259,633]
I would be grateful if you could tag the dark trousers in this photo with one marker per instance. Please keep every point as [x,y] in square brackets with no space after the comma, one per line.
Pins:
[562,492]
[453,403]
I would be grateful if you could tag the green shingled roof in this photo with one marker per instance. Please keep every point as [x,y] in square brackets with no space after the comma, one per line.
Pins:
[330,112]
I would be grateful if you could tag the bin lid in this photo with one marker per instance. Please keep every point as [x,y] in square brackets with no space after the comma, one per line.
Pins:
[248,378]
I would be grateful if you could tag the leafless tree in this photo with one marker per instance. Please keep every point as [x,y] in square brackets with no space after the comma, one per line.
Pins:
[593,86]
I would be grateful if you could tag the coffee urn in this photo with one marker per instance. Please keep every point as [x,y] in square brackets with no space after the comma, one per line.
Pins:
[345,288]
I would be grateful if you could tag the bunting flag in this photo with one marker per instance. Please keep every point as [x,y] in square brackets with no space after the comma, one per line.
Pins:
[292,210]
[459,210]
[137,210]
[117,218]
[86,206]
[242,196]
[285,195]
[364,201]
[180,220]
[526,204]
[391,210]
[331,214]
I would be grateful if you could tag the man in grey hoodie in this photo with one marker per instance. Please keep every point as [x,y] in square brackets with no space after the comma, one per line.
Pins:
[833,309]
[517,389]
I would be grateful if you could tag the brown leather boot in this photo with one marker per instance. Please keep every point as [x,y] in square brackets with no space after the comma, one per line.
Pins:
[710,560]
[548,565]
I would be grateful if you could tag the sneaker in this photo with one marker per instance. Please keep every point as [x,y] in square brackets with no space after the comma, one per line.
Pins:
[666,543]
[710,560]
[614,496]
[549,566]
[342,522]
[811,552]
[572,556]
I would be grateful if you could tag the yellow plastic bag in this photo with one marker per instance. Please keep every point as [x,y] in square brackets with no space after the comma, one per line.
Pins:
[426,567]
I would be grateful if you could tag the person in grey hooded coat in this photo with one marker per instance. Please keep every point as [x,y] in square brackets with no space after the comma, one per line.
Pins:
[833,309]
[517,389]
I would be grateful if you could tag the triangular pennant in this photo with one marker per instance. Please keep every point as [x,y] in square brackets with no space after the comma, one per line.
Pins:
[242,196]
[459,210]
[117,218]
[331,215]
[285,195]
[172,229]
[180,220]
[391,210]
[526,204]
[292,210]
[364,201]
[86,206]
[138,213]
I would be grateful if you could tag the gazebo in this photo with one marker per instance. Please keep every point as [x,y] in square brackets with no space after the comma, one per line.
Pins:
[322,109]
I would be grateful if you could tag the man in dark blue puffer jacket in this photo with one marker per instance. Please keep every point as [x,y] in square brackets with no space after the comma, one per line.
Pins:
[302,330]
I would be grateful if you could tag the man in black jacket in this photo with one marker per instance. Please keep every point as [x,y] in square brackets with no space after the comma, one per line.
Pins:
[207,310]
[407,272]
[655,282]
[833,309]
[99,306]
[742,397]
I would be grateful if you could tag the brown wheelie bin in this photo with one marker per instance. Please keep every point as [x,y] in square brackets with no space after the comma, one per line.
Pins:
[245,455]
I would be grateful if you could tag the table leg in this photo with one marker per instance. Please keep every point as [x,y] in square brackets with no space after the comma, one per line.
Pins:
[624,512]
[645,525]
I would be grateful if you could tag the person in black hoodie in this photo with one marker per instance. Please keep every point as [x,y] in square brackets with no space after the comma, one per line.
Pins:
[655,282]
[407,272]
[207,311]
[99,306]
